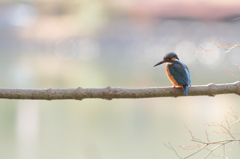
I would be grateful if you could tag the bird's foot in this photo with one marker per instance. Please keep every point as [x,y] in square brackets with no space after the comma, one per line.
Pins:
[176,86]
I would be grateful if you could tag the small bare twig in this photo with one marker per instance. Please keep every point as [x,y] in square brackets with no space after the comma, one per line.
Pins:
[236,18]
[234,76]
[228,46]
[232,71]
[171,148]
[225,128]
[196,152]
[191,147]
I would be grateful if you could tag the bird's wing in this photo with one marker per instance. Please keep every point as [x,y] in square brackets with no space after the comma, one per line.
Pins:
[180,73]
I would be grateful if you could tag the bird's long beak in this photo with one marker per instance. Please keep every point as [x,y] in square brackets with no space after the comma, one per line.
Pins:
[161,62]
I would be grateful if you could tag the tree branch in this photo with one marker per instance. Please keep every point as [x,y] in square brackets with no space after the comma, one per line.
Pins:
[207,145]
[228,46]
[115,92]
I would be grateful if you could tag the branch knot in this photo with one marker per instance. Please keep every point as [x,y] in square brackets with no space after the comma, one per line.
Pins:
[77,92]
[211,89]
[237,87]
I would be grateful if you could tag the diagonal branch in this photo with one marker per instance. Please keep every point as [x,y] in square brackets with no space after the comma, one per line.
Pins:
[228,46]
[207,145]
[116,93]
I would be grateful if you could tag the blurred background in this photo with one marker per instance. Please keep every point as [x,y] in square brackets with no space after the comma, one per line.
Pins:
[99,43]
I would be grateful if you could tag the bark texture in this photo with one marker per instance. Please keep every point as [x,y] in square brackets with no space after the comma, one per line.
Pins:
[117,93]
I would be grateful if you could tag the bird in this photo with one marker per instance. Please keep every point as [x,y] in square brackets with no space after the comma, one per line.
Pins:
[177,72]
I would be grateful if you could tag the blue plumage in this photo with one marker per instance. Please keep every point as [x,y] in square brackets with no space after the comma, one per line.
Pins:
[185,90]
[177,71]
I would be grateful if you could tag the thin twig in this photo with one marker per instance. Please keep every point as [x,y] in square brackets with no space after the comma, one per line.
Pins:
[230,70]
[225,125]
[171,148]
[196,151]
[228,46]
[236,18]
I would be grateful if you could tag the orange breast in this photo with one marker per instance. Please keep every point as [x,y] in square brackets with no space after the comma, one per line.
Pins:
[171,77]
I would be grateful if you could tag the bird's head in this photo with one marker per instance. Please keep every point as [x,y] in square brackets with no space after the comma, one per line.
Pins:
[168,58]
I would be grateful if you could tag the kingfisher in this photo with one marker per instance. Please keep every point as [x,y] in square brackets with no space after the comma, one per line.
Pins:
[177,72]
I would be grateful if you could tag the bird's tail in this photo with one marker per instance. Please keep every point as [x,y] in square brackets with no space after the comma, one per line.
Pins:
[185,90]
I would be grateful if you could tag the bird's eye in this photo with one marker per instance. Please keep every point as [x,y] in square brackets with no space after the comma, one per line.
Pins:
[169,59]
